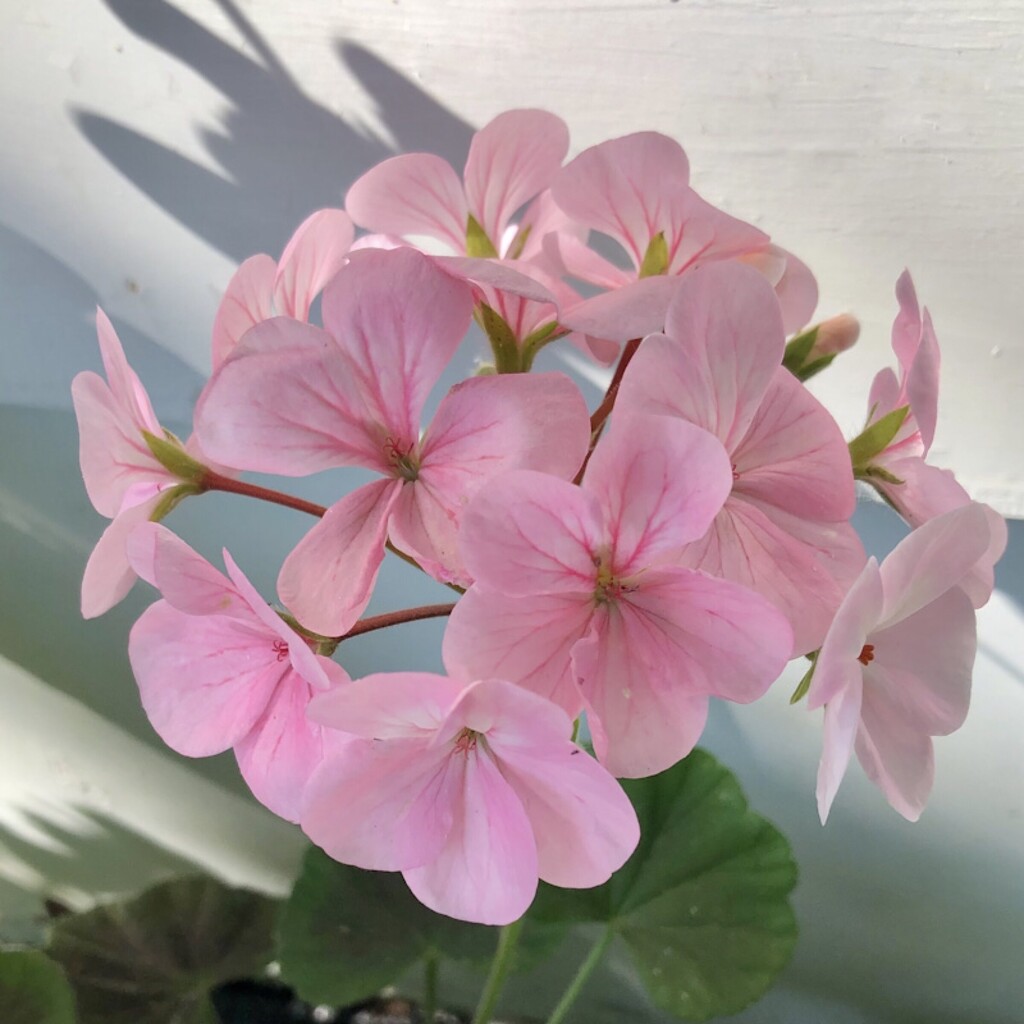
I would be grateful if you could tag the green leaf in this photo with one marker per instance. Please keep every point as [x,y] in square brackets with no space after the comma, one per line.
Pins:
[702,906]
[173,457]
[33,989]
[655,261]
[477,242]
[876,437]
[155,958]
[798,349]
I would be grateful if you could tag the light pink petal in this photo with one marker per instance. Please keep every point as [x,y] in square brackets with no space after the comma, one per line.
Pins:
[922,382]
[677,637]
[837,668]
[906,328]
[289,402]
[530,533]
[511,159]
[796,290]
[388,705]
[633,311]
[413,194]
[933,558]
[842,718]
[327,579]
[884,396]
[383,806]
[794,455]
[702,233]
[897,757]
[204,680]
[483,427]
[660,482]
[313,255]
[399,319]
[124,383]
[620,187]
[526,640]
[282,751]
[568,254]
[378,241]
[108,574]
[487,870]
[510,276]
[541,218]
[248,300]
[922,666]
[113,455]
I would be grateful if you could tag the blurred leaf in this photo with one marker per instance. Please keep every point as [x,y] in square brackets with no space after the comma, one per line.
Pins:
[33,989]
[154,959]
[876,437]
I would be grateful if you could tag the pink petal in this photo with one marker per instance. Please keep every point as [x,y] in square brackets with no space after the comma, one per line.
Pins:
[313,255]
[906,328]
[487,869]
[327,579]
[922,666]
[660,650]
[794,455]
[796,290]
[701,233]
[204,680]
[842,717]
[660,482]
[511,159]
[933,558]
[289,402]
[568,254]
[108,574]
[526,640]
[837,669]
[634,310]
[399,318]
[384,806]
[530,533]
[124,383]
[513,277]
[922,383]
[413,194]
[248,300]
[619,187]
[388,705]
[541,218]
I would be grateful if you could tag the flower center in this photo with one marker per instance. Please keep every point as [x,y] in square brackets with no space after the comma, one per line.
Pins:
[465,742]
[867,654]
[608,587]
[280,648]
[402,459]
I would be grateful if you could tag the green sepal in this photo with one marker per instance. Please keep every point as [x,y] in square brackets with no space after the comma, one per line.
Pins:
[875,438]
[478,244]
[507,356]
[798,349]
[515,250]
[171,499]
[815,367]
[872,473]
[655,261]
[805,684]
[534,342]
[173,457]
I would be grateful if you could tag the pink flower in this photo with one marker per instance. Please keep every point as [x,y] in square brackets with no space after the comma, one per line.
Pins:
[580,596]
[636,190]
[783,530]
[123,478]
[295,399]
[895,667]
[472,793]
[511,161]
[262,288]
[218,668]
[918,491]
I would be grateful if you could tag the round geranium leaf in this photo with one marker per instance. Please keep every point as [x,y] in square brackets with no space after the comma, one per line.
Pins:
[155,958]
[33,989]
[703,904]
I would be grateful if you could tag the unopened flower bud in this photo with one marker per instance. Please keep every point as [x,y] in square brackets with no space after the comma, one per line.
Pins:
[835,335]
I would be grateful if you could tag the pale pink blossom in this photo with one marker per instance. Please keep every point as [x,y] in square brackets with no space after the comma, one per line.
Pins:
[783,529]
[895,667]
[472,792]
[261,288]
[580,596]
[295,399]
[917,490]
[218,668]
[123,478]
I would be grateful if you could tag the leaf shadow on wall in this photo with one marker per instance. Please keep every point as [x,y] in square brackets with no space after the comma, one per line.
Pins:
[283,153]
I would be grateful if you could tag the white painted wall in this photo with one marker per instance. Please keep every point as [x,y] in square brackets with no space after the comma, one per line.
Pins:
[148,146]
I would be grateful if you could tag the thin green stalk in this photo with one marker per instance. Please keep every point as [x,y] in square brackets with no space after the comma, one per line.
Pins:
[430,988]
[577,983]
[500,967]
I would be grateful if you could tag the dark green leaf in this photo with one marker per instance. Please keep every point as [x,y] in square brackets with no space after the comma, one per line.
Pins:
[33,990]
[876,437]
[702,905]
[154,958]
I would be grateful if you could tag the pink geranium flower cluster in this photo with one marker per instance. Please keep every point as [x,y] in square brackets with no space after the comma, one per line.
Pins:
[622,566]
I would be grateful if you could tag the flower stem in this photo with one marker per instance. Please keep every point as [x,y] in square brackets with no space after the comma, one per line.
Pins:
[577,983]
[426,611]
[212,481]
[430,988]
[500,967]
[603,411]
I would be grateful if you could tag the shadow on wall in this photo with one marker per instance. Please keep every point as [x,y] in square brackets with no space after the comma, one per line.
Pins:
[283,153]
